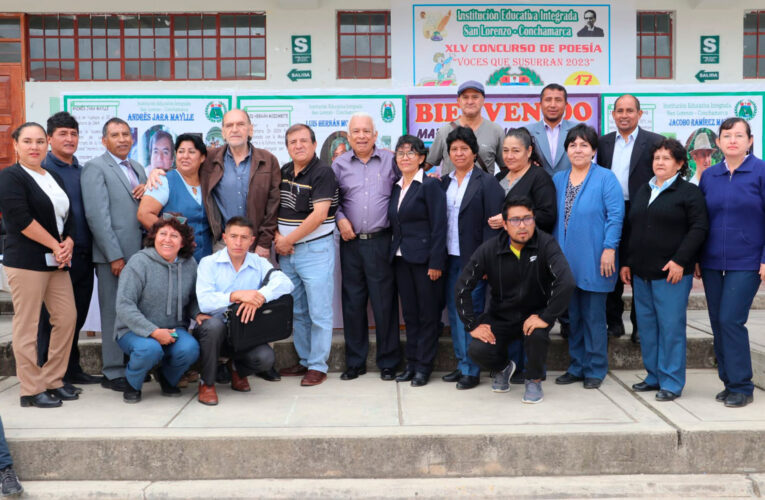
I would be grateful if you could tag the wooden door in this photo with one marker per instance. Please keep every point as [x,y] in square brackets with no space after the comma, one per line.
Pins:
[11,109]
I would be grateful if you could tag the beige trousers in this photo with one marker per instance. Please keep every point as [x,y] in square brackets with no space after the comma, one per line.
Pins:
[29,290]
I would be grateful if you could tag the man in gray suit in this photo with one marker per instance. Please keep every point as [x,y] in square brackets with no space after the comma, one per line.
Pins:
[112,186]
[551,131]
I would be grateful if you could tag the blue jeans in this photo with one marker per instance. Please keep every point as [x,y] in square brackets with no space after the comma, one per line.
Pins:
[311,269]
[729,297]
[5,454]
[145,353]
[588,340]
[460,338]
[660,309]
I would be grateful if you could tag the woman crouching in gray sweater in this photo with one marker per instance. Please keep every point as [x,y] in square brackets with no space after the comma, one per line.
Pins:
[155,304]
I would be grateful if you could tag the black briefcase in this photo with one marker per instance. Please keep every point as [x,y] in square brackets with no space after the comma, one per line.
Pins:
[272,321]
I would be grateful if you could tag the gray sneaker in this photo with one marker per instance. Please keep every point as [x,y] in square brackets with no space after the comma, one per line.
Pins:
[501,382]
[533,393]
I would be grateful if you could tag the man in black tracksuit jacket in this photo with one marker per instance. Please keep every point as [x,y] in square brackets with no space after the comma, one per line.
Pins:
[531,284]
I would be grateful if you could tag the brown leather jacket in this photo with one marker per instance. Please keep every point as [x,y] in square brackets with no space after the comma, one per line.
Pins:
[262,196]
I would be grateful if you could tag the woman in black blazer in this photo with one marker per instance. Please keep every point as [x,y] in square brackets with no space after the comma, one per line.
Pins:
[417,214]
[523,176]
[472,197]
[666,228]
[38,250]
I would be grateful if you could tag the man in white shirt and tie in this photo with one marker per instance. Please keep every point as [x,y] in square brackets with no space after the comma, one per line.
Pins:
[112,185]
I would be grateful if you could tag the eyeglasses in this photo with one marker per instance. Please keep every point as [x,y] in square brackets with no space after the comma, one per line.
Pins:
[409,154]
[517,221]
[589,18]
[171,216]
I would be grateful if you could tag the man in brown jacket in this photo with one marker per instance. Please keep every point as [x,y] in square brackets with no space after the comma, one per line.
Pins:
[238,179]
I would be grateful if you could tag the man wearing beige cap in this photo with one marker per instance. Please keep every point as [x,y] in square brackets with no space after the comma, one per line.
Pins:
[701,151]
[470,99]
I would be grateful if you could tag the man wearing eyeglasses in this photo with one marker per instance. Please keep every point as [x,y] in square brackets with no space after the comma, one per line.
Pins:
[590,30]
[531,284]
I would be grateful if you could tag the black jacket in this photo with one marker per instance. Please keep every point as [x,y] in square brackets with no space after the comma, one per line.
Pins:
[537,184]
[21,202]
[540,282]
[483,199]
[673,227]
[419,226]
[641,162]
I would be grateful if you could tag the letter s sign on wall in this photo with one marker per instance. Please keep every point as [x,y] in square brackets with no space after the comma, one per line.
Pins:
[710,49]
[301,49]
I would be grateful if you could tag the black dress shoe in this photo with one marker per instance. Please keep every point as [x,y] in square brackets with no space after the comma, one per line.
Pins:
[420,379]
[223,374]
[616,330]
[635,336]
[82,378]
[131,396]
[42,400]
[71,388]
[722,396]
[119,384]
[405,376]
[565,330]
[592,383]
[353,372]
[388,374]
[452,377]
[643,387]
[664,395]
[467,382]
[738,400]
[168,390]
[567,378]
[271,375]
[63,394]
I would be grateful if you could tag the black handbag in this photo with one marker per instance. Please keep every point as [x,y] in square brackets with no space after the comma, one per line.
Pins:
[272,321]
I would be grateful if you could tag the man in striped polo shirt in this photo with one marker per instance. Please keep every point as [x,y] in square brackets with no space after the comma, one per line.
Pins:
[306,249]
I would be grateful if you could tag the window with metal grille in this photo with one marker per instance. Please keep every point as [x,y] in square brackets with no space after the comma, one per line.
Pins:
[363,44]
[147,47]
[754,44]
[655,49]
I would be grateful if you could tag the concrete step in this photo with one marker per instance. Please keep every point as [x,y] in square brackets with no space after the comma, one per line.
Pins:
[623,354]
[474,488]
[367,428]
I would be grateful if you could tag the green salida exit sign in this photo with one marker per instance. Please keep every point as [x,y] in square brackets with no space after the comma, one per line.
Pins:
[301,49]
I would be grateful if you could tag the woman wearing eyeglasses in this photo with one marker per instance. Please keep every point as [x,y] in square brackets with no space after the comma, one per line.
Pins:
[181,192]
[156,301]
[417,214]
[591,211]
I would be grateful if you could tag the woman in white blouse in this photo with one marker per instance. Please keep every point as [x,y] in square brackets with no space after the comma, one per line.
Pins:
[38,250]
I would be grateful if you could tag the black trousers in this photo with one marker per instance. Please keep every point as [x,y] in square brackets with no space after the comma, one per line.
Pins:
[211,335]
[420,300]
[368,275]
[495,357]
[81,275]
[614,303]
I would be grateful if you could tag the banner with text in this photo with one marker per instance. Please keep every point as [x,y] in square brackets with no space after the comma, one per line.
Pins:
[429,113]
[155,121]
[326,115]
[694,120]
[511,44]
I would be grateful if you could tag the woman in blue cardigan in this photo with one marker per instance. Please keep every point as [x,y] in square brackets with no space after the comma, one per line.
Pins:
[733,257]
[589,225]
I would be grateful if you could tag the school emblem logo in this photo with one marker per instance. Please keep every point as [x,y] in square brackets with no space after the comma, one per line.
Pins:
[503,77]
[215,110]
[388,111]
[746,109]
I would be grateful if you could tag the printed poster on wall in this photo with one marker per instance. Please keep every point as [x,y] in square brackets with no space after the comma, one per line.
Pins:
[326,115]
[511,44]
[694,120]
[155,121]
[429,113]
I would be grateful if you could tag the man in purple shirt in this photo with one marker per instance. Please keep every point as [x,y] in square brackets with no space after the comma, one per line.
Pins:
[365,177]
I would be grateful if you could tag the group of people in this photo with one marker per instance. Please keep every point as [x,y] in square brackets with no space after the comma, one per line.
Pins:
[521,229]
